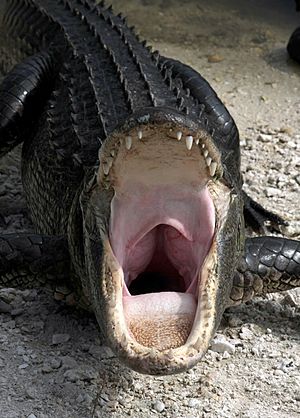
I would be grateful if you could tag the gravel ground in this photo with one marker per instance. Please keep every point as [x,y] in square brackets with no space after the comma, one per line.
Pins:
[51,360]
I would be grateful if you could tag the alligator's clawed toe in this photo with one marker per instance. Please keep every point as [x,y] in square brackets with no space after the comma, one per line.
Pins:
[260,219]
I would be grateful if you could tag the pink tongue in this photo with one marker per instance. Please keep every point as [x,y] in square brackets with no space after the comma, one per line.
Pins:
[161,320]
[159,304]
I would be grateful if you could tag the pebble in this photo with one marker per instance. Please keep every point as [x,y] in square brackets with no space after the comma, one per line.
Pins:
[246,334]
[60,338]
[220,345]
[16,312]
[215,58]
[159,406]
[272,191]
[84,374]
[101,352]
[264,138]
[69,362]
[23,366]
[194,403]
[32,416]
[5,307]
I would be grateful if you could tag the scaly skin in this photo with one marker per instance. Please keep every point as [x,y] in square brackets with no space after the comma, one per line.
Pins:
[82,80]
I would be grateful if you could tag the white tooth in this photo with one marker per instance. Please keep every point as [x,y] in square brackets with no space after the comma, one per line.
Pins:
[179,135]
[197,141]
[128,142]
[105,168]
[203,146]
[112,153]
[110,162]
[189,142]
[205,153]
[140,134]
[212,168]
[208,161]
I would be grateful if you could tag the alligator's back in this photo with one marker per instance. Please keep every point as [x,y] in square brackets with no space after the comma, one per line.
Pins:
[101,74]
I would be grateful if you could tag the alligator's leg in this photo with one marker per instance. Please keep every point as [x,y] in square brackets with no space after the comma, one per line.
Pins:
[29,260]
[255,215]
[22,94]
[270,264]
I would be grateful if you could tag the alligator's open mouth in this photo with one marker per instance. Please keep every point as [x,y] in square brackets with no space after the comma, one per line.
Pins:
[163,222]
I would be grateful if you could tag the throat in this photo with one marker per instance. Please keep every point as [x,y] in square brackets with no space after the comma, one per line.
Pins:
[160,275]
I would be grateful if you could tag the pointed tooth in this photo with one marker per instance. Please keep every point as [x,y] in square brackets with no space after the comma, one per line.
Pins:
[140,134]
[110,162]
[208,161]
[105,167]
[112,153]
[189,142]
[179,135]
[205,153]
[128,142]
[212,168]
[197,141]
[203,146]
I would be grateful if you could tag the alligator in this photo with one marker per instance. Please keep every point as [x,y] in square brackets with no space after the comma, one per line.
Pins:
[293,46]
[131,170]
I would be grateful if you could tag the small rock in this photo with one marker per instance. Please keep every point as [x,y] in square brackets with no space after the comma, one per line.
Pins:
[289,300]
[29,295]
[5,307]
[73,375]
[101,352]
[69,362]
[84,397]
[55,363]
[255,351]
[159,406]
[264,138]
[234,321]
[47,368]
[194,403]
[23,366]
[246,334]
[32,416]
[215,58]
[220,345]
[60,338]
[20,350]
[272,191]
[17,312]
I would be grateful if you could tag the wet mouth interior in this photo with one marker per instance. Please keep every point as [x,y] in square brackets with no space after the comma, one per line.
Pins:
[161,229]
[160,275]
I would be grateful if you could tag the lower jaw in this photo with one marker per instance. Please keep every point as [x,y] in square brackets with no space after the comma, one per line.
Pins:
[160,320]
[143,353]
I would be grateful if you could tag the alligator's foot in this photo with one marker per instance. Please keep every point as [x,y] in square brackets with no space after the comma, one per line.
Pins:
[22,93]
[256,216]
[270,264]
[29,260]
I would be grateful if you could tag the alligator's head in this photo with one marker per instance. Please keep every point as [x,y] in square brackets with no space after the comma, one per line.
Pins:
[163,233]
